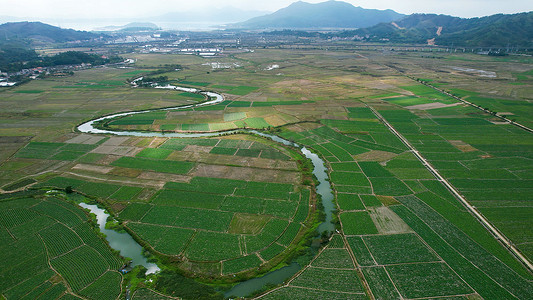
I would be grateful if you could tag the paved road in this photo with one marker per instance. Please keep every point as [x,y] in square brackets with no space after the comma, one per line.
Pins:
[495,232]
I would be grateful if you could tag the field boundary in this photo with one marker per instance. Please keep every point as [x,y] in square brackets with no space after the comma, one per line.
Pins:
[471,209]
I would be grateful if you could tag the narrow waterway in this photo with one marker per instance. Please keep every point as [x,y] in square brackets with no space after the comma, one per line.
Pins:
[319,170]
[121,241]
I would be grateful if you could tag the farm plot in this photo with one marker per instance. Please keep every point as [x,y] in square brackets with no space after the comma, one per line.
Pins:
[380,283]
[105,287]
[357,223]
[55,247]
[482,160]
[330,280]
[427,280]
[247,223]
[400,248]
[331,273]
[163,166]
[166,240]
[472,251]
[223,116]
[349,202]
[305,293]
[54,151]
[240,264]
[333,259]
[52,232]
[212,246]
[199,218]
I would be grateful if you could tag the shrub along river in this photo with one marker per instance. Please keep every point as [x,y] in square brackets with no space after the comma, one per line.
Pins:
[124,243]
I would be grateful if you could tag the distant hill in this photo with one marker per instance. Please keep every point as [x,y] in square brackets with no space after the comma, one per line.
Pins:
[140,26]
[133,26]
[330,14]
[42,32]
[496,30]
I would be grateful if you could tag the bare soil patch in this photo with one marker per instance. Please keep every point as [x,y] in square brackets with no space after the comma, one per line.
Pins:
[227,160]
[146,194]
[125,172]
[117,150]
[115,141]
[244,173]
[164,177]
[108,159]
[387,222]
[275,120]
[429,106]
[87,139]
[375,155]
[93,168]
[156,142]
[463,146]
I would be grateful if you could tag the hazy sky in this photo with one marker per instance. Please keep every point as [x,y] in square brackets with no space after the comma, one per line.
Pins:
[141,8]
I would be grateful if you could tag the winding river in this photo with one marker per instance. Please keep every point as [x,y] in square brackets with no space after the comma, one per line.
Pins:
[121,243]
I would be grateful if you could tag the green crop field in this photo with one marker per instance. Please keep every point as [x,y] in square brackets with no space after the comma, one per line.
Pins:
[56,233]
[427,280]
[357,223]
[401,248]
[176,167]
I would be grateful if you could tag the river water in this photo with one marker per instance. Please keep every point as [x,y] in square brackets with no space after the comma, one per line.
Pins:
[121,241]
[131,249]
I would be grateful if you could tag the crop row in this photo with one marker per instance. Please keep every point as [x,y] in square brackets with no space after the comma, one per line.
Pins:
[240,264]
[270,233]
[188,218]
[330,280]
[304,293]
[167,240]
[90,238]
[26,285]
[80,267]
[334,258]
[107,287]
[476,278]
[59,239]
[59,213]
[471,250]
[164,166]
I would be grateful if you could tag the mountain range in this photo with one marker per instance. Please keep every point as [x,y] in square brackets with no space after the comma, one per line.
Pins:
[42,32]
[496,30]
[330,14]
[343,19]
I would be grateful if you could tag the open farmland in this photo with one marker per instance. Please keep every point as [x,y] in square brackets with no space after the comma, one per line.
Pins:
[240,205]
[186,217]
[51,250]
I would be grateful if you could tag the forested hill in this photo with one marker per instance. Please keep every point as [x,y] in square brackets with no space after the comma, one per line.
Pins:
[496,30]
[330,14]
[42,32]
